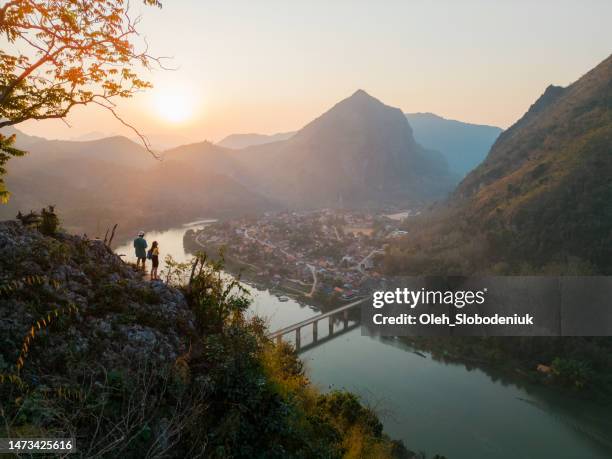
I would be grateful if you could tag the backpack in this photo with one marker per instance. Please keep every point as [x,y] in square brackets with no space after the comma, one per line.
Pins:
[150,254]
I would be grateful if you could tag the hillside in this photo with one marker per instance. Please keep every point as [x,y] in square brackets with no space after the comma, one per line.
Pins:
[361,152]
[540,204]
[464,145]
[114,180]
[22,140]
[238,141]
[131,369]
[542,196]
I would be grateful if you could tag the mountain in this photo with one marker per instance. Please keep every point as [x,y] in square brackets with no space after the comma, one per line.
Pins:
[541,200]
[359,153]
[22,140]
[548,176]
[117,150]
[93,135]
[161,142]
[464,145]
[98,183]
[238,141]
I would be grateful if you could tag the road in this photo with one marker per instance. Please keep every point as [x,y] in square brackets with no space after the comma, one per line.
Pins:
[312,268]
[313,271]
[314,280]
[371,254]
[337,235]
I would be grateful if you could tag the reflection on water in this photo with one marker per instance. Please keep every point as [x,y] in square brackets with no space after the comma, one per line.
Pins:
[266,305]
[434,406]
[170,243]
[459,412]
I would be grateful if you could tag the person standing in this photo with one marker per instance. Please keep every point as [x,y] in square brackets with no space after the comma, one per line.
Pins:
[140,246]
[154,260]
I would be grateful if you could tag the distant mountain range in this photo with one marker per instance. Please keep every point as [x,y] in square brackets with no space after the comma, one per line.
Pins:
[238,141]
[541,200]
[115,180]
[464,145]
[360,153]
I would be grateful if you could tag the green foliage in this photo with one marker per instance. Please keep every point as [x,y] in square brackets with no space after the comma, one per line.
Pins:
[345,410]
[217,301]
[67,53]
[572,372]
[91,64]
[578,363]
[47,222]
[232,393]
[175,272]
[7,151]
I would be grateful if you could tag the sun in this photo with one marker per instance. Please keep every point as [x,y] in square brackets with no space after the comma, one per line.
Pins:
[174,105]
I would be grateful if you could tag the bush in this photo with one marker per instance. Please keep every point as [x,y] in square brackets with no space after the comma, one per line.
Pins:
[233,393]
[47,222]
[571,372]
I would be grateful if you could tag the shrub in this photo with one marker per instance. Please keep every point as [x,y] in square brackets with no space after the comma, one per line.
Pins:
[571,372]
[49,221]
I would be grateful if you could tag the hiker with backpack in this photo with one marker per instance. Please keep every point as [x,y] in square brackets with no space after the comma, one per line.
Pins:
[153,255]
[140,247]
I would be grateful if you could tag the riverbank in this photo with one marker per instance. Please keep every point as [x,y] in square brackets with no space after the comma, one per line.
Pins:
[514,358]
[461,409]
[248,273]
[183,371]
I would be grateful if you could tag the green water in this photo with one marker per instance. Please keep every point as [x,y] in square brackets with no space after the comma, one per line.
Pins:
[436,407]
[460,413]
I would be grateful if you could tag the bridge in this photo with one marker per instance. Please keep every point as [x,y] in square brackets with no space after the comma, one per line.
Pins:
[341,312]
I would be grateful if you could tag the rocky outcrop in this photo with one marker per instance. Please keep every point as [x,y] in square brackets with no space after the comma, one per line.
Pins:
[91,307]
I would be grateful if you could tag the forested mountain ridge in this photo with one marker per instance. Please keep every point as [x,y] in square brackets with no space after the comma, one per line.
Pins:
[543,196]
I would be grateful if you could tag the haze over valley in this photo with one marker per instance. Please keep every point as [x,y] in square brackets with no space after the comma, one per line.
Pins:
[361,153]
[306,229]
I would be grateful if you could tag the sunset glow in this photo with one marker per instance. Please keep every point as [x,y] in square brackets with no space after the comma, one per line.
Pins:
[176,106]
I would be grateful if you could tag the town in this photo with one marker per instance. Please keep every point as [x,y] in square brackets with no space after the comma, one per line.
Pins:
[325,256]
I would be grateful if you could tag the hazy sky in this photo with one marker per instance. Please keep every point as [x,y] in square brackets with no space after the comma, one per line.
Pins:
[273,65]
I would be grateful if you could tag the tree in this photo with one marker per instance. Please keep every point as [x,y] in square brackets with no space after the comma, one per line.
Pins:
[7,151]
[65,53]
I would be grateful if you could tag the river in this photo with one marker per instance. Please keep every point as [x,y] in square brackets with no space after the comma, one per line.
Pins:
[434,407]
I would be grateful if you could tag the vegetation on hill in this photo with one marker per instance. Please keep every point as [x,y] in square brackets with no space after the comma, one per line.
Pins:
[541,203]
[88,349]
[87,52]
